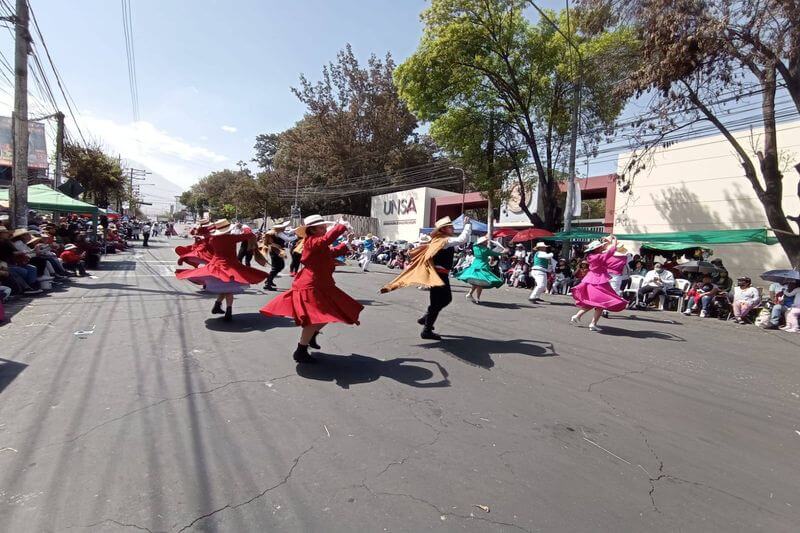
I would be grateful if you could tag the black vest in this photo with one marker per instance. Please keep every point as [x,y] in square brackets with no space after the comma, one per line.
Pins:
[444,258]
[280,243]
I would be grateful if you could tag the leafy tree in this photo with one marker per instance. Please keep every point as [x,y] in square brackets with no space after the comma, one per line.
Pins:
[528,69]
[98,173]
[698,59]
[355,125]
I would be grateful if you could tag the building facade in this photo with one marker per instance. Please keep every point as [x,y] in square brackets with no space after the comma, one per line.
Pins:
[401,215]
[700,185]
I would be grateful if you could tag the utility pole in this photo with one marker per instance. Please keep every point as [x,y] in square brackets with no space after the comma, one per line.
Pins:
[19,196]
[573,147]
[135,174]
[59,149]
[296,206]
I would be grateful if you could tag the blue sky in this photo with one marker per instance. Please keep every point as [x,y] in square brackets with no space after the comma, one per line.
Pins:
[212,74]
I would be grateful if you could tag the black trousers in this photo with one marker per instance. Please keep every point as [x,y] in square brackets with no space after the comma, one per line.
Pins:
[245,253]
[440,298]
[146,237]
[294,266]
[649,293]
[277,265]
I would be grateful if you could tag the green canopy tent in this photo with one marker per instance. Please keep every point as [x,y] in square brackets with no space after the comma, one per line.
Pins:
[43,198]
[681,239]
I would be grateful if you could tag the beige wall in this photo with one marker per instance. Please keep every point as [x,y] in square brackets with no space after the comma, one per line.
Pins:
[699,184]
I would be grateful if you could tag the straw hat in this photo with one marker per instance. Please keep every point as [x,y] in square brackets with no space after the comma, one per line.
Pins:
[540,245]
[594,245]
[310,221]
[482,239]
[441,224]
[424,239]
[19,232]
[281,225]
[70,247]
[222,227]
[34,241]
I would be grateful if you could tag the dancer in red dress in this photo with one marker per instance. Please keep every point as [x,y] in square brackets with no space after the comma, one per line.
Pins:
[199,253]
[314,300]
[224,274]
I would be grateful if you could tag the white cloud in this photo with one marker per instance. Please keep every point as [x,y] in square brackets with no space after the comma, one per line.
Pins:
[203,138]
[229,129]
[167,155]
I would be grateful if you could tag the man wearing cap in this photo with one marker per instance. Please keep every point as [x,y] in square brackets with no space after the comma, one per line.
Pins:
[430,267]
[277,239]
[540,264]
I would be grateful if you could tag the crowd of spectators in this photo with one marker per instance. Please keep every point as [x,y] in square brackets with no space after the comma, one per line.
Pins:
[45,255]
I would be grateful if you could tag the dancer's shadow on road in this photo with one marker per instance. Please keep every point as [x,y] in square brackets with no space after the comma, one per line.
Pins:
[245,322]
[639,334]
[478,352]
[346,370]
[501,305]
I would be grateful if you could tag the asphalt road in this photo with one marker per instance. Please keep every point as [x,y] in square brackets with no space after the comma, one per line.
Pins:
[158,417]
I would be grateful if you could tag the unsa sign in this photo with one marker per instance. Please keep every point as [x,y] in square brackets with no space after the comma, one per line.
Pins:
[401,207]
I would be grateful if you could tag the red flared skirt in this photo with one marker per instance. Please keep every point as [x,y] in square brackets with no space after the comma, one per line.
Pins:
[321,305]
[224,271]
[194,255]
[589,295]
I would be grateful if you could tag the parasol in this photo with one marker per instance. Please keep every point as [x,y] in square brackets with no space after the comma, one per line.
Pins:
[703,267]
[505,232]
[781,276]
[531,235]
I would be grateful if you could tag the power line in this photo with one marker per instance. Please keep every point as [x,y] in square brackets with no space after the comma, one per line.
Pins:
[59,81]
[130,54]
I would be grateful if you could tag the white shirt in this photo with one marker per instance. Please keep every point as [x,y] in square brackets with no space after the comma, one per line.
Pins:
[666,277]
[749,295]
[520,254]
[286,237]
[461,239]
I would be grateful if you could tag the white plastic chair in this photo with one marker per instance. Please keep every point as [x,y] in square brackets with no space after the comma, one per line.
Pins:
[636,284]
[683,285]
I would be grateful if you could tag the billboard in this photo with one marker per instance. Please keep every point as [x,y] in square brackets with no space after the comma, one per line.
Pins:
[37,149]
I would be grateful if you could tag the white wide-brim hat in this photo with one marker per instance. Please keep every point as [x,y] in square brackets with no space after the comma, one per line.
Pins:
[541,245]
[282,225]
[594,245]
[70,247]
[424,239]
[310,221]
[482,239]
[222,227]
[440,224]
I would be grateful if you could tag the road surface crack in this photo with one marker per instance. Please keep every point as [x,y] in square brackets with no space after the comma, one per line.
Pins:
[616,376]
[165,400]
[285,480]
[120,524]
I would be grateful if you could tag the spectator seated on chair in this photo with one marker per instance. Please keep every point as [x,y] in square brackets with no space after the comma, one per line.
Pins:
[781,303]
[745,299]
[656,283]
[700,296]
[793,313]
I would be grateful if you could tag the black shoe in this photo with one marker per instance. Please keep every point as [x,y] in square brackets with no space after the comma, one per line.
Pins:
[268,287]
[313,342]
[421,320]
[217,309]
[430,335]
[301,355]
[769,325]
[228,314]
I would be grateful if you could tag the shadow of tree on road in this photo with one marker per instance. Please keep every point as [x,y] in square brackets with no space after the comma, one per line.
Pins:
[478,352]
[358,369]
[9,370]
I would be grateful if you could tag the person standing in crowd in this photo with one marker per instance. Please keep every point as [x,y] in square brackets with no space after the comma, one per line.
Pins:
[314,299]
[563,278]
[479,273]
[366,255]
[540,265]
[224,275]
[745,298]
[594,291]
[276,240]
[656,283]
[430,267]
[146,233]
